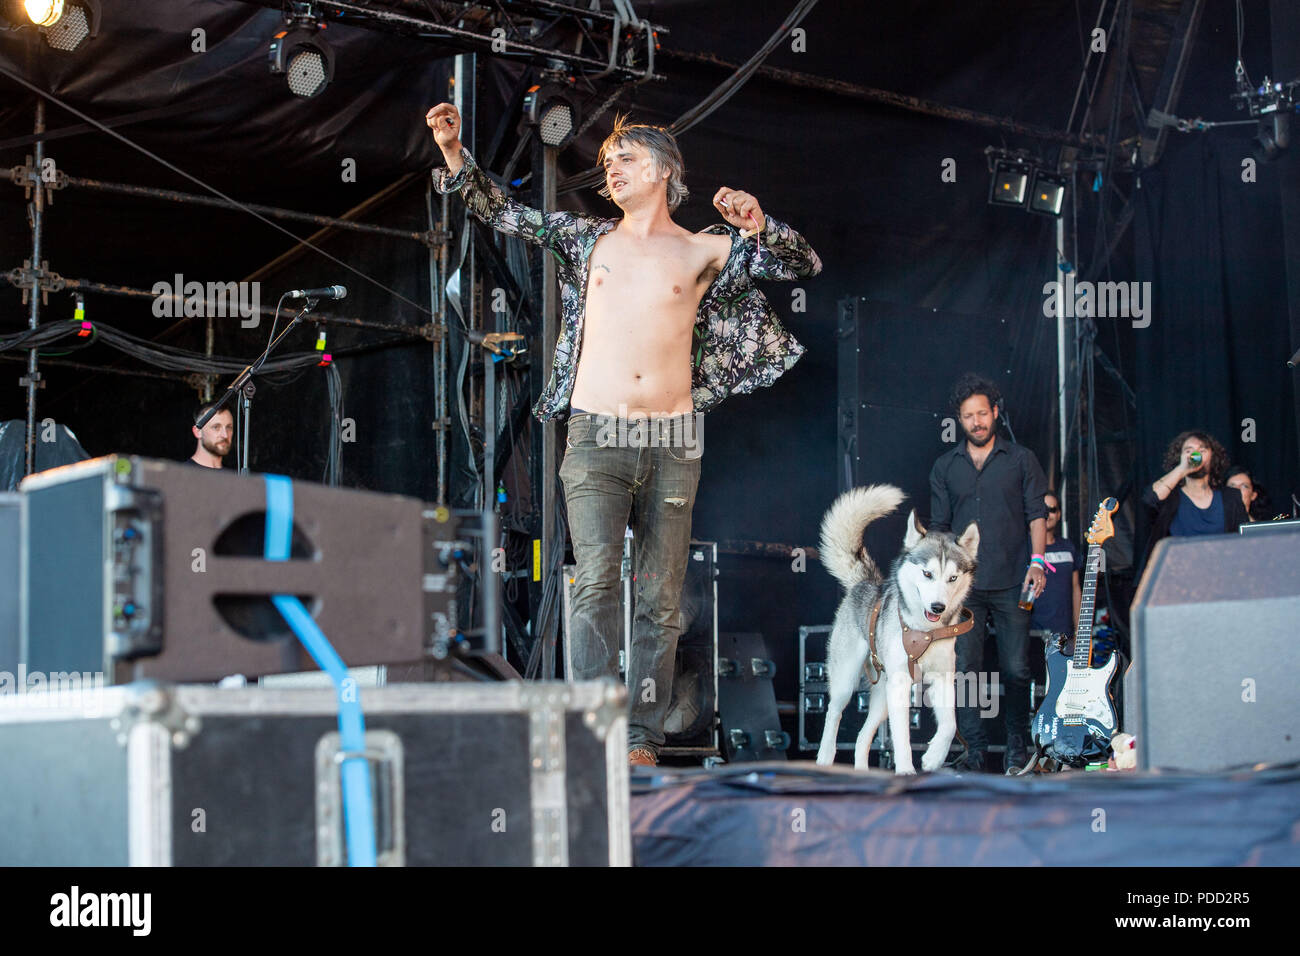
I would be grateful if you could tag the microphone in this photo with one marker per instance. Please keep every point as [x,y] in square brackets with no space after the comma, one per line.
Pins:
[329,292]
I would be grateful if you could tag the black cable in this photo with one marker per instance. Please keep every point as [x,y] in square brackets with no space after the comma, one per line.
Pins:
[212,189]
[170,357]
[723,92]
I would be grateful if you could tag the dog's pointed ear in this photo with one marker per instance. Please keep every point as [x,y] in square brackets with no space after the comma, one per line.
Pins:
[970,539]
[915,530]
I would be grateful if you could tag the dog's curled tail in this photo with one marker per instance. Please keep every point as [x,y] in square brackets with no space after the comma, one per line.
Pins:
[842,551]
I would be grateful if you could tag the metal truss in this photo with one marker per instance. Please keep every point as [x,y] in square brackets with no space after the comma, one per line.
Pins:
[603,39]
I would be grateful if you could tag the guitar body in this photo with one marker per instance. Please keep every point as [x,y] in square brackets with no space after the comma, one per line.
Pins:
[1076,720]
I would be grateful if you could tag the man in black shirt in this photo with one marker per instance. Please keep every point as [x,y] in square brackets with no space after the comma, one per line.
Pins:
[214,438]
[1000,486]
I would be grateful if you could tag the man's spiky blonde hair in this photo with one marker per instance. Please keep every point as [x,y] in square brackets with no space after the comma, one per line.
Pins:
[663,150]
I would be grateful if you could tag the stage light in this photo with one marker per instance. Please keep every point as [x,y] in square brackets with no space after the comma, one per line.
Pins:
[44,13]
[1272,104]
[1048,195]
[1010,182]
[302,56]
[41,14]
[79,22]
[1273,136]
[65,24]
[554,111]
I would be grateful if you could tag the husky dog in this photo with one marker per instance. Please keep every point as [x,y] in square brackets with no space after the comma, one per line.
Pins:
[925,589]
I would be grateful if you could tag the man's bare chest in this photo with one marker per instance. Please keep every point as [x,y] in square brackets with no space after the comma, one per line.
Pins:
[663,272]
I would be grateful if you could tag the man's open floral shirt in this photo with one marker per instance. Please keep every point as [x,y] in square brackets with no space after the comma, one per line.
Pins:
[739,341]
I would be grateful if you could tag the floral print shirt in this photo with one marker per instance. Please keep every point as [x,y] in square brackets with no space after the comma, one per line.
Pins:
[739,342]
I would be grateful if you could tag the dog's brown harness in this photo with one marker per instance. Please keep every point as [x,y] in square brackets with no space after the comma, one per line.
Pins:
[915,643]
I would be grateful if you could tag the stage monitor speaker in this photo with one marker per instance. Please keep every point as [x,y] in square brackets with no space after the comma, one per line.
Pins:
[691,724]
[141,569]
[1215,622]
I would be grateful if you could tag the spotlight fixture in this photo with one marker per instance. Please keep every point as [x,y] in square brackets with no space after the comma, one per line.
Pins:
[44,13]
[79,22]
[1273,136]
[65,24]
[1010,182]
[299,53]
[554,111]
[1022,181]
[1048,193]
[1272,103]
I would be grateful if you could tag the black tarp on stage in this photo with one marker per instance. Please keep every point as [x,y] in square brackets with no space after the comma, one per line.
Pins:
[778,814]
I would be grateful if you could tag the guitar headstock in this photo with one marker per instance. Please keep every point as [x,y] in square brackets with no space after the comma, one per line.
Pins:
[1103,529]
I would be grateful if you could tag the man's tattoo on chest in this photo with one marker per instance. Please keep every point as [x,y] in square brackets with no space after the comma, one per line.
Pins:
[606,268]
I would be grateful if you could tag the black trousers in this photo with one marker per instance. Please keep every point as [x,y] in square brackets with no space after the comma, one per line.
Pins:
[1012,624]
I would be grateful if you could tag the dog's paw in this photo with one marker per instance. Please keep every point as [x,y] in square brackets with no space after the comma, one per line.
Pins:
[931,762]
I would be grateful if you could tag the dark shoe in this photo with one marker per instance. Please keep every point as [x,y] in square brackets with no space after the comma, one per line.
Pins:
[1017,753]
[969,762]
[641,757]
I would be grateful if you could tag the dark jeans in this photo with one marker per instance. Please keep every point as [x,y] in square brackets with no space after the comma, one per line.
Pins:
[614,476]
[1013,663]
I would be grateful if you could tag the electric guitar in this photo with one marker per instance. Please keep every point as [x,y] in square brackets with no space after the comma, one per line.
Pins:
[1076,720]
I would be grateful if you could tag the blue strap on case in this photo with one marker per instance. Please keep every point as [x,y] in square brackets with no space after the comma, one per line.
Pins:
[358,811]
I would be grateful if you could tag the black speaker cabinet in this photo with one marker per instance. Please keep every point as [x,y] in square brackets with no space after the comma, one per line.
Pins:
[691,726]
[1213,681]
[751,723]
[151,569]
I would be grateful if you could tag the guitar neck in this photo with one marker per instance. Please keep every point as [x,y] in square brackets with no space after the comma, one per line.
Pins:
[1083,632]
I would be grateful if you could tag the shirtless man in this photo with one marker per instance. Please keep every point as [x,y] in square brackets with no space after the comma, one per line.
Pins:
[658,325]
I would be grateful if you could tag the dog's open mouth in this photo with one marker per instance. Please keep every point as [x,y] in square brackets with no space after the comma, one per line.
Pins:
[932,618]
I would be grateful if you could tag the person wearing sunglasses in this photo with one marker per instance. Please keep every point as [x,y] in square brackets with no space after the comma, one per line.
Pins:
[1056,610]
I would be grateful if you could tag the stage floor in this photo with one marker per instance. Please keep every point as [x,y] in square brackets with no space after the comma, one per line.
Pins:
[798,814]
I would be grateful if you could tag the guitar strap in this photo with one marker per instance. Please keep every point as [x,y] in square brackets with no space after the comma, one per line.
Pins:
[915,643]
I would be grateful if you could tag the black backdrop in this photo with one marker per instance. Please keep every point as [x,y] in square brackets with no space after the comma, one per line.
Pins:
[1214,248]
[862,181]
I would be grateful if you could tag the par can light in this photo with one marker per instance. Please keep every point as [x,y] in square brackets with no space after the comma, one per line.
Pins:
[44,13]
[1010,183]
[302,56]
[79,22]
[1048,195]
[554,111]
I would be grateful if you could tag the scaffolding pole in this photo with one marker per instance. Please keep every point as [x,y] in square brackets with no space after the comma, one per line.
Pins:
[36,280]
[430,238]
[36,213]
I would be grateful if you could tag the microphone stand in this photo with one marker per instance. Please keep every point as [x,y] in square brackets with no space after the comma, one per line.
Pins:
[243,384]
